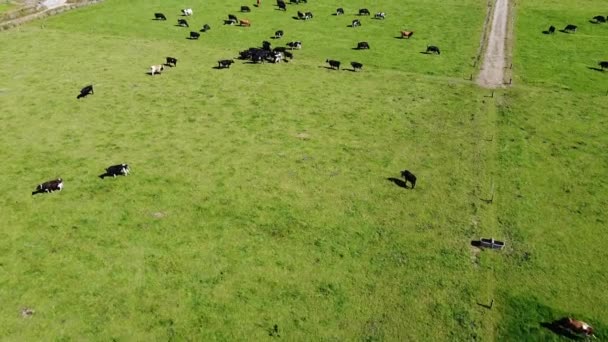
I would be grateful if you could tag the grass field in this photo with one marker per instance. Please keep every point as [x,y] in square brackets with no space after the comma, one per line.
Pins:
[259,194]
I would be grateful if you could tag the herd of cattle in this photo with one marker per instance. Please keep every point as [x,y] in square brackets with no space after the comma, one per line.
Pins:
[598,19]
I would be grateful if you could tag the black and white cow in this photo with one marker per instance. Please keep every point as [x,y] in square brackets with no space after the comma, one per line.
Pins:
[116,170]
[362,45]
[230,22]
[603,65]
[279,49]
[85,91]
[187,12]
[301,15]
[295,45]
[364,11]
[159,16]
[308,15]
[171,61]
[409,177]
[356,23]
[205,28]
[278,34]
[340,11]
[432,49]
[288,54]
[356,66]
[194,35]
[224,63]
[182,22]
[50,186]
[333,64]
[245,9]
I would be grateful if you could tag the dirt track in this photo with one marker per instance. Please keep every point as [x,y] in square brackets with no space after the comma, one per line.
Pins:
[493,67]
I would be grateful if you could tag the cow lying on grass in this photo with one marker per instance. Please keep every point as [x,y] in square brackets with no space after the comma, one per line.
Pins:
[50,186]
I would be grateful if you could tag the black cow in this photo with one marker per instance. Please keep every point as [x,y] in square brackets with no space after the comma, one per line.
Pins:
[50,186]
[333,64]
[301,16]
[260,56]
[116,170]
[295,45]
[599,19]
[364,11]
[279,49]
[570,28]
[278,34]
[266,45]
[356,23]
[356,65]
[194,35]
[362,45]
[85,91]
[205,28]
[340,11]
[282,5]
[288,54]
[551,29]
[182,22]
[224,63]
[171,61]
[245,9]
[233,17]
[603,65]
[433,49]
[294,2]
[247,54]
[409,177]
[159,16]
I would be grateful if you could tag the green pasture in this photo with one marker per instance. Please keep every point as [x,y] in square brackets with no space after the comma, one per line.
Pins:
[259,194]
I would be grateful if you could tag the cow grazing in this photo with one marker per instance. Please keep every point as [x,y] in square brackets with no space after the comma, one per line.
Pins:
[156,69]
[182,22]
[408,177]
[570,28]
[205,28]
[171,61]
[159,16]
[599,19]
[282,5]
[50,186]
[278,34]
[551,29]
[356,66]
[432,49]
[301,15]
[194,35]
[356,23]
[406,34]
[245,9]
[380,15]
[362,45]
[245,22]
[340,11]
[85,91]
[224,63]
[575,326]
[364,11]
[333,64]
[295,45]
[308,15]
[187,12]
[116,170]
[603,65]
[233,17]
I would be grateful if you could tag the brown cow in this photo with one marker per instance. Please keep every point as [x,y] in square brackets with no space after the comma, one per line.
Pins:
[245,22]
[576,326]
[406,34]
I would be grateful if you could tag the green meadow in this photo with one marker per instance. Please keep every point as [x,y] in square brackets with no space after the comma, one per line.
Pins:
[260,194]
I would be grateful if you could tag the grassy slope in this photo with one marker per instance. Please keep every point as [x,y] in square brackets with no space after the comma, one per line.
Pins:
[553,164]
[259,224]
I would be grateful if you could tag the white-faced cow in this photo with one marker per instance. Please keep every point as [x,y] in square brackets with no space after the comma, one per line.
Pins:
[308,15]
[187,12]
[85,91]
[380,15]
[340,11]
[159,16]
[408,177]
[116,170]
[356,66]
[156,69]
[50,186]
[224,63]
[333,64]
[356,23]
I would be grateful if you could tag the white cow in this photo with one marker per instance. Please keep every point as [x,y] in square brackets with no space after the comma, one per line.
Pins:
[187,11]
[156,69]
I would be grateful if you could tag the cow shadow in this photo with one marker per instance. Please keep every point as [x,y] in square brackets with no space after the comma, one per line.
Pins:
[351,70]
[596,69]
[397,182]
[328,68]
[564,31]
[178,25]
[156,19]
[558,329]
[425,52]
[218,68]
[295,18]
[594,21]
[190,38]
[149,73]
[104,175]
[546,32]
[34,193]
